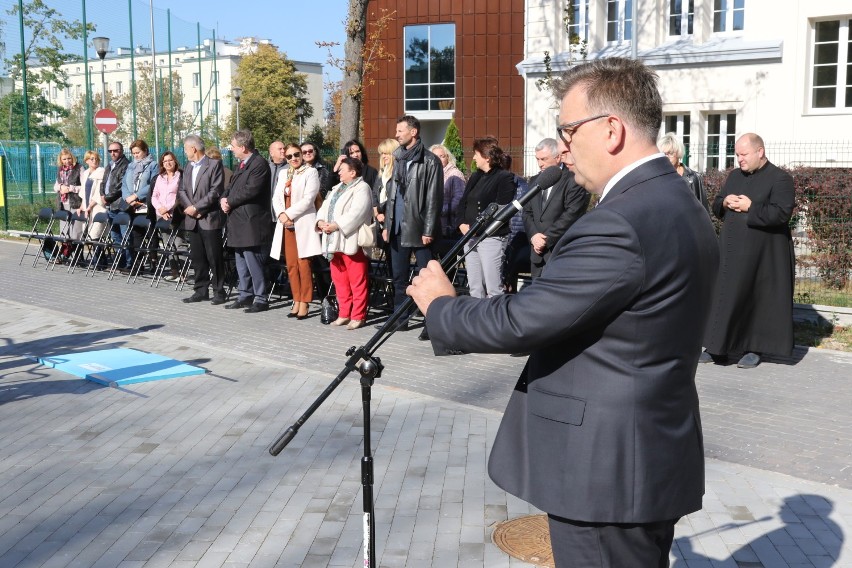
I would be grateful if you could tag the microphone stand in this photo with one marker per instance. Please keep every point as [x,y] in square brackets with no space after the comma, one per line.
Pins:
[361,359]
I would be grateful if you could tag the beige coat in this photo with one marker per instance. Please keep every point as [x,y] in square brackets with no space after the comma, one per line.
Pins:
[303,195]
[96,200]
[353,209]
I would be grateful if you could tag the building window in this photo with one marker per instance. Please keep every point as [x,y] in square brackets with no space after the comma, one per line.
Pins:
[215,78]
[215,106]
[118,65]
[728,15]
[177,59]
[619,23]
[196,107]
[681,14]
[721,129]
[679,124]
[832,65]
[196,79]
[577,20]
[53,93]
[430,67]
[118,88]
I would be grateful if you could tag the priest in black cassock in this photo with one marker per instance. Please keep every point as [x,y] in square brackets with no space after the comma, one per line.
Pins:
[752,310]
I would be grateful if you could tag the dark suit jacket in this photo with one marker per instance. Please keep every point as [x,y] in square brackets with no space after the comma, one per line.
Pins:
[567,203]
[249,196]
[603,425]
[209,186]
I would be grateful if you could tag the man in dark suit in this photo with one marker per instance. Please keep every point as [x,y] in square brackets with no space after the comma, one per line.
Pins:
[201,187]
[602,431]
[246,203]
[549,214]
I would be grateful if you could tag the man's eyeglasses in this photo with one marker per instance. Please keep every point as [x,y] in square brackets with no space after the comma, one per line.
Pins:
[566,131]
[114,150]
[293,155]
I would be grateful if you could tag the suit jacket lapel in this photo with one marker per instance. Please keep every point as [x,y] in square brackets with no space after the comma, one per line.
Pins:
[651,169]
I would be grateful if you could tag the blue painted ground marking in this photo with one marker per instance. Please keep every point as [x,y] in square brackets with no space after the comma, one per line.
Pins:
[115,367]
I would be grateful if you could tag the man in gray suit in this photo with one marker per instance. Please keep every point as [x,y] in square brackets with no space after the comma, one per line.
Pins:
[549,214]
[202,184]
[602,431]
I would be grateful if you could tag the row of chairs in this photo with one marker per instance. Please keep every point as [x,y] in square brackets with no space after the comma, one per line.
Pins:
[94,248]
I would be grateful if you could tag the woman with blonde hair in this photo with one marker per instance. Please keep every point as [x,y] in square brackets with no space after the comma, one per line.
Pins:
[294,204]
[93,200]
[454,183]
[384,181]
[67,188]
[672,147]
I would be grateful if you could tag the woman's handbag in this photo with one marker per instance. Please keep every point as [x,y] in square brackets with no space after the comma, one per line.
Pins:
[74,200]
[329,308]
[367,235]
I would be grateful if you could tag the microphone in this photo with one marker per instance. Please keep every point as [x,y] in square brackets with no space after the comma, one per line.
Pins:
[547,178]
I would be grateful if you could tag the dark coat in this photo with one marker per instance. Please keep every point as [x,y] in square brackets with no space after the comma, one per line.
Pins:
[482,189]
[696,186]
[113,179]
[249,197]
[423,200]
[603,425]
[753,304]
[566,203]
[209,187]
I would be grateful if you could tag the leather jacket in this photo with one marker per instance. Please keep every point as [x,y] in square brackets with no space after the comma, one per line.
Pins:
[424,199]
[114,175]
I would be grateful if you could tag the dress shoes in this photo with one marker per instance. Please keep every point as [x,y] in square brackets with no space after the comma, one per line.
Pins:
[256,308]
[424,335]
[197,297]
[236,305]
[340,321]
[749,361]
[218,300]
[355,324]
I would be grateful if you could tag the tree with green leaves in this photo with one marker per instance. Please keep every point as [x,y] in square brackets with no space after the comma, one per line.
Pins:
[49,30]
[453,143]
[272,91]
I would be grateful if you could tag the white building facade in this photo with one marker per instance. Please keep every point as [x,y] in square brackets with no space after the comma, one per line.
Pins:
[206,82]
[726,67]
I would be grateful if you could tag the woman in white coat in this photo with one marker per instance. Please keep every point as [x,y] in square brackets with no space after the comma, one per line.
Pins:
[295,236]
[93,200]
[348,208]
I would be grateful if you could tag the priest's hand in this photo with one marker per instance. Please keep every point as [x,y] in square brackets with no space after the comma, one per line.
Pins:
[430,283]
[743,204]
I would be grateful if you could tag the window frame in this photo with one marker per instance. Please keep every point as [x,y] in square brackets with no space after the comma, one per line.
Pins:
[624,9]
[686,17]
[729,12]
[725,156]
[429,99]
[842,85]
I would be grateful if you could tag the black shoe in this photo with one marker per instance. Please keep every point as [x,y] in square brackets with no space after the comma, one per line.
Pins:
[218,300]
[255,308]
[197,297]
[239,304]
[124,270]
[424,335]
[525,354]
[749,361]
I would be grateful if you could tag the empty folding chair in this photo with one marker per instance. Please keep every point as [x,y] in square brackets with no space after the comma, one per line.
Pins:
[41,232]
[147,247]
[120,220]
[62,240]
[100,242]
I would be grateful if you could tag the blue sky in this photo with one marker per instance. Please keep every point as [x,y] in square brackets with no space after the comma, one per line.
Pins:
[294,26]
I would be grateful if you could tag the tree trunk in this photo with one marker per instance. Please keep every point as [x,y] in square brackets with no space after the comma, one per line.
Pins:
[356,35]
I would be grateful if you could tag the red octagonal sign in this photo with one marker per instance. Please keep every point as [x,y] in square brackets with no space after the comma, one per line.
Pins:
[106,121]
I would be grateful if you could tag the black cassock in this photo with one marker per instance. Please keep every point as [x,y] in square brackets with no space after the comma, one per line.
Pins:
[753,304]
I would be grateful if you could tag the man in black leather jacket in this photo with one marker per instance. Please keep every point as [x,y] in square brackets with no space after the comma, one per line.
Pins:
[111,187]
[413,210]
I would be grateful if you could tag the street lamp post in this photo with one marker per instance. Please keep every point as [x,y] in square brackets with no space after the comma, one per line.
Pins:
[101,45]
[237,92]
[300,112]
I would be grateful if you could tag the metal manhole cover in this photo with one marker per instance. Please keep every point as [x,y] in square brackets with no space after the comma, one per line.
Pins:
[525,538]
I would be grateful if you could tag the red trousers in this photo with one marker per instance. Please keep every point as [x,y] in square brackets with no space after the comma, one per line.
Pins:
[350,275]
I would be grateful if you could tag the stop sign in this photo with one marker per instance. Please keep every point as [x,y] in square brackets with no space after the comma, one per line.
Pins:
[106,121]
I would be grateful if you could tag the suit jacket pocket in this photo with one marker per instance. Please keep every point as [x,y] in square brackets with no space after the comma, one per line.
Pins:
[557,407]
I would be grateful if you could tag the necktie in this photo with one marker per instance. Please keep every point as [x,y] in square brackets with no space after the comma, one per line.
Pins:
[242,165]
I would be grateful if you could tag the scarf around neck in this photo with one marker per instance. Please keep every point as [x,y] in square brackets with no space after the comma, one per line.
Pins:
[403,156]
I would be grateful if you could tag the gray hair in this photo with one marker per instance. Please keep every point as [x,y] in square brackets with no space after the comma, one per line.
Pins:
[623,87]
[670,142]
[245,139]
[196,141]
[548,144]
[450,158]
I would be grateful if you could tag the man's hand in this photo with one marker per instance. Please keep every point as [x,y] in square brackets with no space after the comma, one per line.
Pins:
[429,284]
[426,240]
[464,228]
[385,235]
[224,204]
[744,204]
[538,242]
[191,211]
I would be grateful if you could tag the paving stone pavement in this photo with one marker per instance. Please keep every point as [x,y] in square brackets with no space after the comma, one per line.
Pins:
[176,472]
